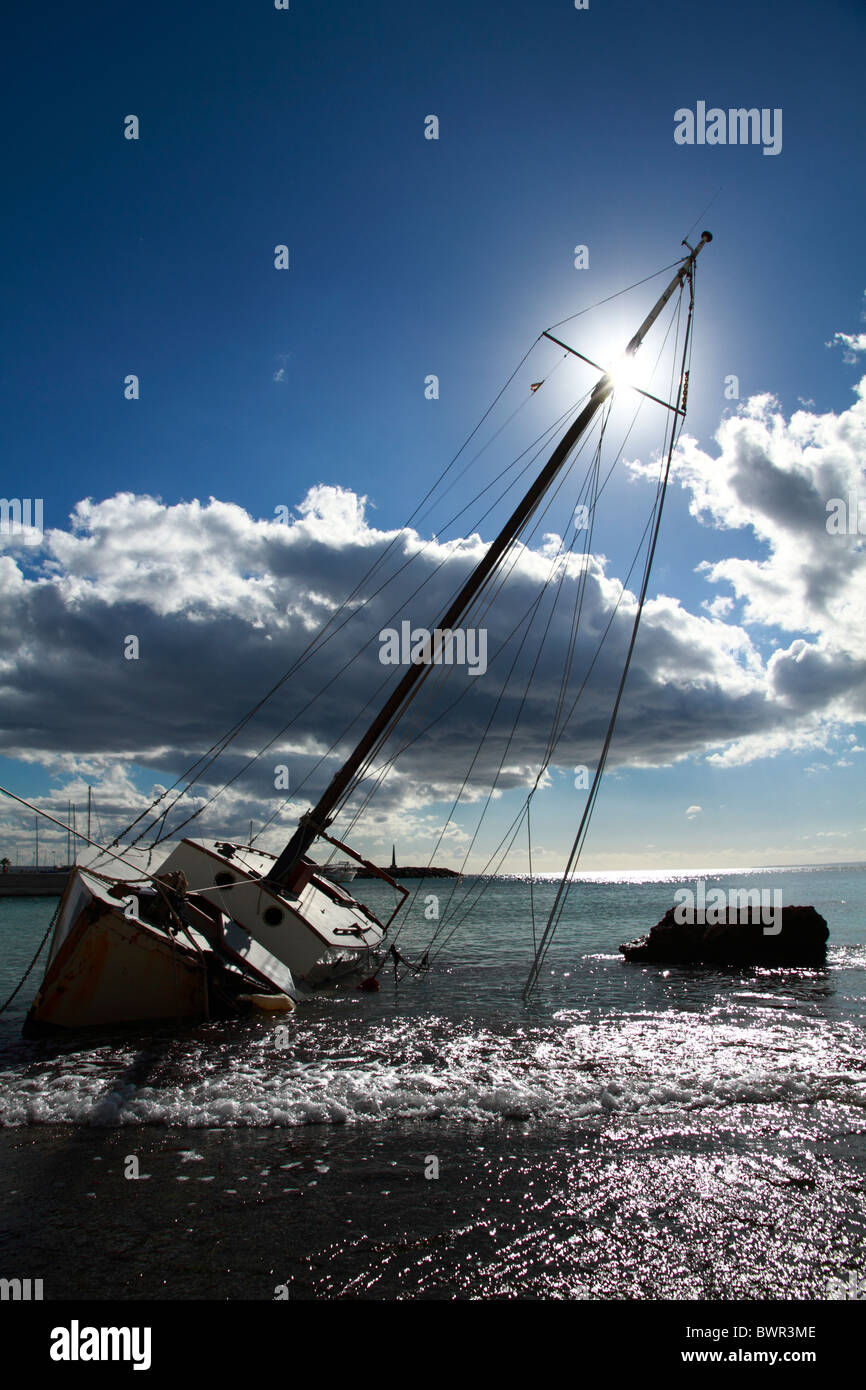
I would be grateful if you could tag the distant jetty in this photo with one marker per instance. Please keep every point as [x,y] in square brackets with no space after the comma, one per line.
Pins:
[407,870]
[734,937]
[410,871]
[32,883]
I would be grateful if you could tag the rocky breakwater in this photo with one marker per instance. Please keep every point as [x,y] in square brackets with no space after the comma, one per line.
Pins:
[411,871]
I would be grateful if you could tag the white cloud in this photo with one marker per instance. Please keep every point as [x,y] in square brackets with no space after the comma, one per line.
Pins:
[223,603]
[775,477]
[853,344]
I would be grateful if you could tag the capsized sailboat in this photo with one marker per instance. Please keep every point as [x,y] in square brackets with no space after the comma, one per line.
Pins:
[204,938]
[224,923]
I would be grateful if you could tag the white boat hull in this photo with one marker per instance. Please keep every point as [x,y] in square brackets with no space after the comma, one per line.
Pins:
[320,934]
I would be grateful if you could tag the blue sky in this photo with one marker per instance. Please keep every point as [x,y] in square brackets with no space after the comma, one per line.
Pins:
[408,257]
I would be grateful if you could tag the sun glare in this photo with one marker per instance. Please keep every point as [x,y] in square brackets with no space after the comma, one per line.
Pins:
[627,371]
[637,372]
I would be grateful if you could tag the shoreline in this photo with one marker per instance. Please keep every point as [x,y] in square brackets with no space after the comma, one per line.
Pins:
[234,1214]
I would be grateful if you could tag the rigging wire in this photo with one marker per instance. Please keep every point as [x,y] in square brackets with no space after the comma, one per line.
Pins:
[253,758]
[531,880]
[484,881]
[589,308]
[487,872]
[534,610]
[703,214]
[484,878]
[197,769]
[579,599]
[555,734]
[223,742]
[512,555]
[363,772]
[561,897]
[530,614]
[164,832]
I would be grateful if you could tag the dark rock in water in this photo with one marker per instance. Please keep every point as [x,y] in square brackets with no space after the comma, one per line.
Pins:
[738,937]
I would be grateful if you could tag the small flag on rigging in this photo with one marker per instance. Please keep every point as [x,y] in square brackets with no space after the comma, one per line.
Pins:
[535,385]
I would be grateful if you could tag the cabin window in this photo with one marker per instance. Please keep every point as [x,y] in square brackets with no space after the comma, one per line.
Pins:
[223,879]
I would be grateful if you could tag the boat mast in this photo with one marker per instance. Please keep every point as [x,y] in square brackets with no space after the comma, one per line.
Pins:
[318,819]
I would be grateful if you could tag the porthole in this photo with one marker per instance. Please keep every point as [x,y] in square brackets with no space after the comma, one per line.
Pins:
[272,916]
[222,880]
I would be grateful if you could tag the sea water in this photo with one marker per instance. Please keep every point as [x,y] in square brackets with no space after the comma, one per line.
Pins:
[633,1131]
